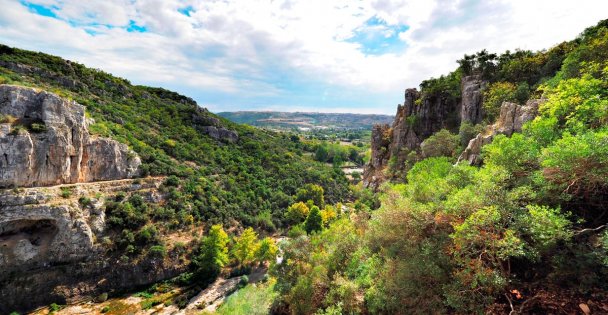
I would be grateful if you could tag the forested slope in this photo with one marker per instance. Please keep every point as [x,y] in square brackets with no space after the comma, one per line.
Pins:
[522,233]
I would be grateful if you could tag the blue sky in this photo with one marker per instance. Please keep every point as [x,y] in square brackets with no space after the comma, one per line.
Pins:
[307,55]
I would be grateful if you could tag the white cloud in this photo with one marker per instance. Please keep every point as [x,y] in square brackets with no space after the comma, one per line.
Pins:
[251,48]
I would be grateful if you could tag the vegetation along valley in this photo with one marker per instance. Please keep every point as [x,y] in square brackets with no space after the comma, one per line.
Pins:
[303,157]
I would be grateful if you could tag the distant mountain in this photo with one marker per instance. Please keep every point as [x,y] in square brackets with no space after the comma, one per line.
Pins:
[307,120]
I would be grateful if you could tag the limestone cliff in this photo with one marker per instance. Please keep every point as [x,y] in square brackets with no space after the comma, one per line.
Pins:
[512,118]
[50,247]
[44,140]
[417,119]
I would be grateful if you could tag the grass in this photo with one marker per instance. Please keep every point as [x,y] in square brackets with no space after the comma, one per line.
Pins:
[250,300]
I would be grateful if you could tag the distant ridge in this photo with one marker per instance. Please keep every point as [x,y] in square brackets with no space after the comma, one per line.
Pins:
[288,120]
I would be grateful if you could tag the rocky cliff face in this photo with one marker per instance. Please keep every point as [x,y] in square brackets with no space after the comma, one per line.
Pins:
[512,118]
[417,119]
[44,140]
[50,245]
[471,110]
[52,248]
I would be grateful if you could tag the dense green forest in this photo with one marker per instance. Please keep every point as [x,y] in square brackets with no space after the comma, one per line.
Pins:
[523,233]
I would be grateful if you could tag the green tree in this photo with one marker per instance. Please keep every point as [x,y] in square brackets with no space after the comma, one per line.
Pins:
[314,221]
[266,250]
[311,192]
[322,153]
[441,143]
[493,97]
[213,253]
[245,247]
[297,212]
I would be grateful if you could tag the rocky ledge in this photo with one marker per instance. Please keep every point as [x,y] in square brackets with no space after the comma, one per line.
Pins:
[44,140]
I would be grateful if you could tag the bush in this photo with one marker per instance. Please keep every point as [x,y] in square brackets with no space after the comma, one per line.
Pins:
[493,97]
[85,201]
[314,220]
[66,192]
[38,127]
[157,251]
[441,143]
[468,131]
[7,119]
[244,280]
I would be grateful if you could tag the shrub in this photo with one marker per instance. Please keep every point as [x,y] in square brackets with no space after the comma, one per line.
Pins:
[66,192]
[493,97]
[468,131]
[314,220]
[7,119]
[441,143]
[38,127]
[157,251]
[84,201]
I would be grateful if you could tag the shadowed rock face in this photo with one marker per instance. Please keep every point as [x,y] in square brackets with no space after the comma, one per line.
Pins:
[44,140]
[471,109]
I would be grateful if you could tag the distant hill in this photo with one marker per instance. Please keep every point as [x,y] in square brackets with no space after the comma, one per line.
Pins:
[290,120]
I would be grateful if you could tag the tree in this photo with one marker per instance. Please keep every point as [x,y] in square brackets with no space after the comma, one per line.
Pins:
[441,143]
[266,250]
[297,212]
[213,253]
[311,192]
[322,153]
[314,221]
[495,95]
[245,247]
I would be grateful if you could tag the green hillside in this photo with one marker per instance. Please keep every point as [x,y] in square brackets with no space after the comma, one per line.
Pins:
[251,180]
[524,233]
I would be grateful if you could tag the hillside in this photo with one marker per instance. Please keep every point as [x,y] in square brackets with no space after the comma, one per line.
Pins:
[64,123]
[290,120]
[494,197]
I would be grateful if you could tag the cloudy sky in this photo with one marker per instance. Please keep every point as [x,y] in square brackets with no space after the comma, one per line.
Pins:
[290,55]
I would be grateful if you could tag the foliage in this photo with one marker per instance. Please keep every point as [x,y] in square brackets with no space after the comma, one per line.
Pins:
[266,250]
[213,253]
[468,131]
[441,143]
[311,192]
[459,239]
[245,247]
[314,220]
[297,212]
[493,97]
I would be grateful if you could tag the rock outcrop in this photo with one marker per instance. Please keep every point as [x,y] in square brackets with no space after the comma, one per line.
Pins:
[511,120]
[44,140]
[51,244]
[417,119]
[471,109]
[212,126]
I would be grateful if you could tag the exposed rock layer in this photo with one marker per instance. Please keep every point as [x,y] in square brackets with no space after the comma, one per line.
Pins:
[44,140]
[417,119]
[51,248]
[511,120]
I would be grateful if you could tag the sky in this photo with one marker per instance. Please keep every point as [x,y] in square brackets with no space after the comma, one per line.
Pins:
[288,55]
